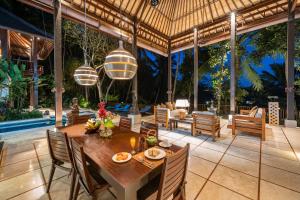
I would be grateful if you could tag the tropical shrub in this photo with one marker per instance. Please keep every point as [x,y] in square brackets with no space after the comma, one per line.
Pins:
[13,114]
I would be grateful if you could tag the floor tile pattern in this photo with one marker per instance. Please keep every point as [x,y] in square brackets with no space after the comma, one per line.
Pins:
[232,168]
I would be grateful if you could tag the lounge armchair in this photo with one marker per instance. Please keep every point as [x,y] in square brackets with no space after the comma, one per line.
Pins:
[206,123]
[118,105]
[254,124]
[123,109]
[161,116]
[146,109]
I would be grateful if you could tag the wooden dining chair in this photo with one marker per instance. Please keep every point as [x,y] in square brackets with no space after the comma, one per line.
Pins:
[60,154]
[125,123]
[86,177]
[171,183]
[149,129]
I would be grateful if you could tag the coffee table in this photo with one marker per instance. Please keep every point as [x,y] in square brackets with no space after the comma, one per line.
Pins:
[174,122]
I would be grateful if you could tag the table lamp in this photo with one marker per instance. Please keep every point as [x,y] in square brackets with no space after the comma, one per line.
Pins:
[182,103]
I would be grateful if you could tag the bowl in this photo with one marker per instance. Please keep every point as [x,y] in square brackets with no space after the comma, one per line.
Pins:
[151,140]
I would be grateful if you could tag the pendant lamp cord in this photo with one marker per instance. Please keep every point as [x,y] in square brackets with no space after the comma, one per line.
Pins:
[122,21]
[85,36]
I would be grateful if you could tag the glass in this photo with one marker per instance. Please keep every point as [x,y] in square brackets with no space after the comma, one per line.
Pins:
[132,144]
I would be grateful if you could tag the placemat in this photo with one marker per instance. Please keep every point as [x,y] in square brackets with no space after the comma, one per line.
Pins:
[140,157]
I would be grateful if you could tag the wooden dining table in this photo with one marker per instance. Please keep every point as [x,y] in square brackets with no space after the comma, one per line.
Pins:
[126,178]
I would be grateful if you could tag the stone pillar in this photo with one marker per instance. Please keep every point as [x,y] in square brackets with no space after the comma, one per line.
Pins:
[290,76]
[196,78]
[232,68]
[169,92]
[58,62]
[34,90]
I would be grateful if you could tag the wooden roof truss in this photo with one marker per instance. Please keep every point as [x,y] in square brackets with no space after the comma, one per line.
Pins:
[173,20]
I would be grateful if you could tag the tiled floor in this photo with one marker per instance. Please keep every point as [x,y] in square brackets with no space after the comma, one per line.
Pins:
[241,167]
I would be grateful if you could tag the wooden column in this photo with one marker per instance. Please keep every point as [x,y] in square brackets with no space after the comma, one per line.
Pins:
[232,68]
[58,73]
[35,79]
[290,77]
[135,107]
[169,92]
[196,78]
[4,37]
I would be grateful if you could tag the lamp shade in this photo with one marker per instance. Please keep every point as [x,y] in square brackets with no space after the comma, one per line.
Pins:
[86,75]
[182,103]
[120,64]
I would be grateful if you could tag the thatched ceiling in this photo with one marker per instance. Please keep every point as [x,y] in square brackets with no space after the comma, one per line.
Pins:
[173,20]
[21,34]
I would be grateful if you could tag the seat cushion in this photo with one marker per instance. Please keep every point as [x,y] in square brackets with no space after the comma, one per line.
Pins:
[253,112]
[149,191]
[259,113]
[203,112]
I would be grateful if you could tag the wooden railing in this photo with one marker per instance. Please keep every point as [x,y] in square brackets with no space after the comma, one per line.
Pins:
[225,110]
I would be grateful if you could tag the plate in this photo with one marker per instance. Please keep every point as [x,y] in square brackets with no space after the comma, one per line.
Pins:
[161,154]
[114,158]
[163,144]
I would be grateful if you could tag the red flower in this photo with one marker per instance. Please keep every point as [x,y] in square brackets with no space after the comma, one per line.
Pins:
[102,113]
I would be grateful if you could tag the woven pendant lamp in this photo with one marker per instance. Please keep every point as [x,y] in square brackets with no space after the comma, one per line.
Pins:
[120,64]
[85,75]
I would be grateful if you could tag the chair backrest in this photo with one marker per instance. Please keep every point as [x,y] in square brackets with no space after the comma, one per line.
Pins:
[81,119]
[173,176]
[125,123]
[81,167]
[205,121]
[161,115]
[59,148]
[149,129]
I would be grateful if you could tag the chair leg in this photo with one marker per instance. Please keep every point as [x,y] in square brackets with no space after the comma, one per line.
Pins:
[94,196]
[214,137]
[51,177]
[72,183]
[76,188]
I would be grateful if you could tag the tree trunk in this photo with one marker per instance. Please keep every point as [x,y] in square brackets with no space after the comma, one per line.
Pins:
[219,104]
[99,91]
[176,74]
[86,93]
[128,92]
[107,91]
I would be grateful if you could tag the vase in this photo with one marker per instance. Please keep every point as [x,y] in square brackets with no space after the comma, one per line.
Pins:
[105,133]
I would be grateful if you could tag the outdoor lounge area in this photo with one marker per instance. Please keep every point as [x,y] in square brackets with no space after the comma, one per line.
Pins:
[150,99]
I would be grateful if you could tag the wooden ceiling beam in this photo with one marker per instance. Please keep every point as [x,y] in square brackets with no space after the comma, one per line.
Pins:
[225,18]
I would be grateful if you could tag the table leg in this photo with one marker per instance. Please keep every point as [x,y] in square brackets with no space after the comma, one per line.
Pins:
[127,194]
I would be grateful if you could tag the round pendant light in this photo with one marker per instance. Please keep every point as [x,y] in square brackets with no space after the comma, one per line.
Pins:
[120,64]
[86,75]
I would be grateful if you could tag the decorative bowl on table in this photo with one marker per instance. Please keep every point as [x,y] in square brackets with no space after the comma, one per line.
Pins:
[151,140]
[92,126]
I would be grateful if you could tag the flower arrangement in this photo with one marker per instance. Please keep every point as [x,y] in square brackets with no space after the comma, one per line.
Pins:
[103,123]
[105,118]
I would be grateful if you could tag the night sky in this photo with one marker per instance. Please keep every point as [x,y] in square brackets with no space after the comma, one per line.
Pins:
[243,82]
